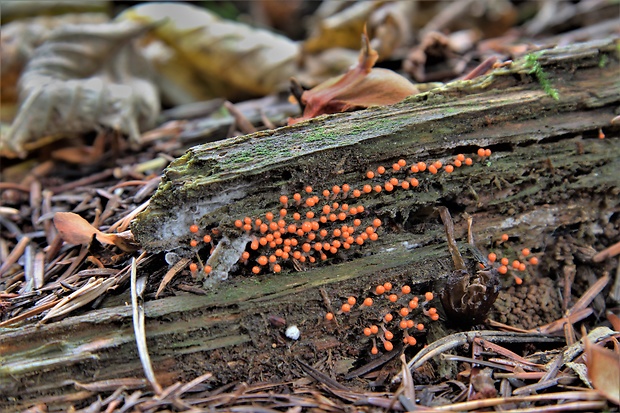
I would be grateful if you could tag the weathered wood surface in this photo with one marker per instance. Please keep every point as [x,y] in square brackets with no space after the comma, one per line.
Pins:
[548,171]
[508,109]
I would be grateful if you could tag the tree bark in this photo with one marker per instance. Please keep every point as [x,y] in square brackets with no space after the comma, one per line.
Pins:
[549,170]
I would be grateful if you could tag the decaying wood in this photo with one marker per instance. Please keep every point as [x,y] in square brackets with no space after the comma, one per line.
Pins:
[510,111]
[549,170]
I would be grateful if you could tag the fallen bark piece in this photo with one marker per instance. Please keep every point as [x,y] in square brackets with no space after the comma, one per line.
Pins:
[219,190]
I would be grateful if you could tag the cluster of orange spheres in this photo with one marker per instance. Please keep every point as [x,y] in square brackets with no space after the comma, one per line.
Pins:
[517,265]
[403,304]
[311,226]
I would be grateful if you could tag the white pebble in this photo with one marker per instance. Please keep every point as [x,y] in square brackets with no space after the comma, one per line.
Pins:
[293,333]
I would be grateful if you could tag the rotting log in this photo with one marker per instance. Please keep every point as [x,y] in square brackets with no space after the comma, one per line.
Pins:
[549,171]
[509,110]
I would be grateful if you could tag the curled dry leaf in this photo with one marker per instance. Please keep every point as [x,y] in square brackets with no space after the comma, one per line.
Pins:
[362,86]
[337,27]
[76,230]
[19,40]
[603,370]
[222,58]
[82,78]
[336,24]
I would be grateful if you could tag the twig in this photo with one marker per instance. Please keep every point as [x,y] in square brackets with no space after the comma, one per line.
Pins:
[17,252]
[240,120]
[87,293]
[375,363]
[607,253]
[558,325]
[504,352]
[458,339]
[407,398]
[320,377]
[123,223]
[459,264]
[588,395]
[140,332]
[28,314]
[590,294]
[84,181]
[178,266]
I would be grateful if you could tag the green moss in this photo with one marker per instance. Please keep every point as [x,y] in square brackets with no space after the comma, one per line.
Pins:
[531,61]
[603,61]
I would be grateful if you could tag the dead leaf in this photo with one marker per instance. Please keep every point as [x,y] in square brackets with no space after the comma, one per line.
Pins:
[359,88]
[82,78]
[614,320]
[603,370]
[336,25]
[19,40]
[76,230]
[73,228]
[222,58]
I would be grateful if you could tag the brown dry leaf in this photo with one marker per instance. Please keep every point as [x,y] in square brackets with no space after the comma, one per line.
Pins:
[603,370]
[82,78]
[76,230]
[359,88]
[73,228]
[221,58]
[614,320]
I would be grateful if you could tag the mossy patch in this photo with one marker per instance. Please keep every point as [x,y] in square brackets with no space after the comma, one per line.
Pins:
[531,62]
